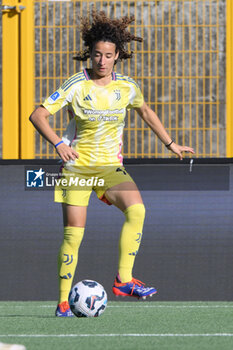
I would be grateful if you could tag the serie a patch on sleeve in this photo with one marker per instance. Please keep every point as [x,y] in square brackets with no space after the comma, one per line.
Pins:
[52,98]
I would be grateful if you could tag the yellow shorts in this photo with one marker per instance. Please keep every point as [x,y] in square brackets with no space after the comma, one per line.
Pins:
[75,187]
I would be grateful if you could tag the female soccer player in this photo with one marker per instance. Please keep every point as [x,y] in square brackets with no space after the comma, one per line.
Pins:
[97,99]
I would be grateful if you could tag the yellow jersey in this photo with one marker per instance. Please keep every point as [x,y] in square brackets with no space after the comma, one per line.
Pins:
[97,116]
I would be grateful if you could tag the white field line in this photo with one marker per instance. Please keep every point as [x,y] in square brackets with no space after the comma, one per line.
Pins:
[175,306]
[157,306]
[136,305]
[117,335]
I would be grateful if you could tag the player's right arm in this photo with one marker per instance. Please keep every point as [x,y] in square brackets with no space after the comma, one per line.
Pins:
[39,119]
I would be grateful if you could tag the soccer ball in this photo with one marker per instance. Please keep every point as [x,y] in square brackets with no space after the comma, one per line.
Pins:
[87,299]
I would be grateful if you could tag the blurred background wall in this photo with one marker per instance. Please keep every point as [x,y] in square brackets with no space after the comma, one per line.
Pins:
[180,67]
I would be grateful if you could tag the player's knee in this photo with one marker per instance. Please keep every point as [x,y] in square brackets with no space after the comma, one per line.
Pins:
[73,235]
[135,212]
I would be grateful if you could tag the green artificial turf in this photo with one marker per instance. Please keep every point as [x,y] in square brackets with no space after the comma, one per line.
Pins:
[124,325]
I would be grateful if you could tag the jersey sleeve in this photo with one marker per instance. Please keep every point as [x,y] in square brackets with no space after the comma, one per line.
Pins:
[57,100]
[136,98]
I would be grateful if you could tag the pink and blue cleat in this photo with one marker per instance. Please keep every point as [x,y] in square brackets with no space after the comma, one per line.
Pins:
[63,310]
[134,288]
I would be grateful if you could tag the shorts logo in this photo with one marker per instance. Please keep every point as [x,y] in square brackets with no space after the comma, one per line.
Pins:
[35,178]
[123,171]
[55,96]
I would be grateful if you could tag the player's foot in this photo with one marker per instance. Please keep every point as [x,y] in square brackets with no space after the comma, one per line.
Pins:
[4,346]
[63,310]
[134,288]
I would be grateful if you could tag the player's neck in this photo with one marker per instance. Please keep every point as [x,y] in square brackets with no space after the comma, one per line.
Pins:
[100,80]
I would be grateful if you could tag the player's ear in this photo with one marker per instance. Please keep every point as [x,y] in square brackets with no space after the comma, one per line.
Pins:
[116,57]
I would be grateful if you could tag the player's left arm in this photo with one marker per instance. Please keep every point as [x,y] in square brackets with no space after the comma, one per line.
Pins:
[152,120]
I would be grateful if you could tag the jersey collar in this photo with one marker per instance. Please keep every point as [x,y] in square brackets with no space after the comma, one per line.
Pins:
[87,76]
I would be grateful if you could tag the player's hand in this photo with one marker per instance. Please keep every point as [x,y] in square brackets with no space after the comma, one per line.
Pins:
[177,149]
[66,152]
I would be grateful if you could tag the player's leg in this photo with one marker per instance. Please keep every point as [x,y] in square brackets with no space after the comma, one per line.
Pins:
[74,203]
[74,224]
[74,218]
[124,195]
[127,198]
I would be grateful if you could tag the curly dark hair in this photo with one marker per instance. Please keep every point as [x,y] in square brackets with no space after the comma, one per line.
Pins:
[102,28]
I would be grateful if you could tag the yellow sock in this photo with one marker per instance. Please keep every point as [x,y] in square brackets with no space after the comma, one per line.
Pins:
[67,259]
[130,240]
